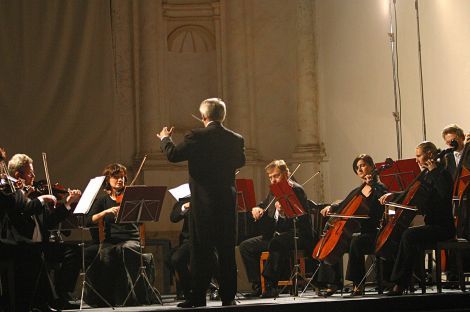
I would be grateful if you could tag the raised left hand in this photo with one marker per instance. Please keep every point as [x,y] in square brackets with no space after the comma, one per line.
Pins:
[165,133]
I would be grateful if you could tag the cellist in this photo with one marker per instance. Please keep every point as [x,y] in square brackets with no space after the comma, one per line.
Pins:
[436,205]
[362,243]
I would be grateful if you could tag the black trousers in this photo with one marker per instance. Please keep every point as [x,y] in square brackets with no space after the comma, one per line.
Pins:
[361,245]
[212,225]
[112,272]
[412,242]
[277,264]
[179,264]
[65,260]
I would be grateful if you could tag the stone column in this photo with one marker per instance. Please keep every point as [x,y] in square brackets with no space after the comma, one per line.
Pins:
[238,66]
[309,150]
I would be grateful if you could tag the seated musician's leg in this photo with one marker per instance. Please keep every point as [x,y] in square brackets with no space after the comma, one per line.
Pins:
[361,245]
[329,279]
[277,263]
[67,273]
[250,251]
[179,261]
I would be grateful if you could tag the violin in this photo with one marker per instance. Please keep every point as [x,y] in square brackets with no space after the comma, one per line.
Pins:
[41,188]
[7,183]
[340,227]
[389,236]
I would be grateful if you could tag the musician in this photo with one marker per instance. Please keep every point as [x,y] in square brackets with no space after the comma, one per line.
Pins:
[179,258]
[453,163]
[277,237]
[32,221]
[213,154]
[117,268]
[437,209]
[451,133]
[363,242]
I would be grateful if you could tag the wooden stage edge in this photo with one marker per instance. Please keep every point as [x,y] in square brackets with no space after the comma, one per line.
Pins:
[449,300]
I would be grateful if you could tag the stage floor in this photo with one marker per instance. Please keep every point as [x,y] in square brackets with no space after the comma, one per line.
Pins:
[449,300]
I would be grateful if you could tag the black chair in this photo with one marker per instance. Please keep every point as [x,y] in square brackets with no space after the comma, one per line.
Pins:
[456,245]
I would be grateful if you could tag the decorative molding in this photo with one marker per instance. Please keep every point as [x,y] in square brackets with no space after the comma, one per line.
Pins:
[191,38]
[310,153]
[193,10]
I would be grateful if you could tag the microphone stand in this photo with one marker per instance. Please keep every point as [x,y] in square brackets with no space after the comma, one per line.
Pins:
[420,71]
[396,83]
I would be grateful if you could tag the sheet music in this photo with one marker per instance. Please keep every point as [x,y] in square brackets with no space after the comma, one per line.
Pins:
[89,195]
[181,191]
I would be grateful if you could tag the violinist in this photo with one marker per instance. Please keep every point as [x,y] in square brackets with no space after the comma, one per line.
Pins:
[33,218]
[362,243]
[277,235]
[114,272]
[436,205]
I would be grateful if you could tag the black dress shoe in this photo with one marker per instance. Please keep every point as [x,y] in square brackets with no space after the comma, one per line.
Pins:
[256,291]
[253,294]
[270,292]
[45,308]
[214,294]
[396,291]
[328,292]
[356,292]
[191,304]
[62,304]
[229,303]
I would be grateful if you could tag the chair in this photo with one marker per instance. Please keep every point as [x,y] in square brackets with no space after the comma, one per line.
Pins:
[264,257]
[456,245]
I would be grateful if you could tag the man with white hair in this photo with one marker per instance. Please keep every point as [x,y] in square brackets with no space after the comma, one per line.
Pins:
[213,153]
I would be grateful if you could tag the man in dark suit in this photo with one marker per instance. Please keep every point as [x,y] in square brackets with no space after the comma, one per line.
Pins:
[277,235]
[453,163]
[32,219]
[451,133]
[213,154]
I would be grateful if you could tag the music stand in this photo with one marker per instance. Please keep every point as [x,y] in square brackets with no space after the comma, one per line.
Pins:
[245,195]
[399,175]
[142,203]
[81,210]
[245,201]
[284,193]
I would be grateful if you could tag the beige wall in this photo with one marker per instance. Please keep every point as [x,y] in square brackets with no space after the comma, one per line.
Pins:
[356,86]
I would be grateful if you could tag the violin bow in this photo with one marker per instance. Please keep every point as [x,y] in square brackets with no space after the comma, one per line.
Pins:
[138,171]
[49,188]
[46,171]
[313,176]
[135,178]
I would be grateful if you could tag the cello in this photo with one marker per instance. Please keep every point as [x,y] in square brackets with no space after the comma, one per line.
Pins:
[461,187]
[389,237]
[340,227]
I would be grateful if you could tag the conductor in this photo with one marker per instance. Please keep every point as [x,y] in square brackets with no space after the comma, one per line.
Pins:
[213,154]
